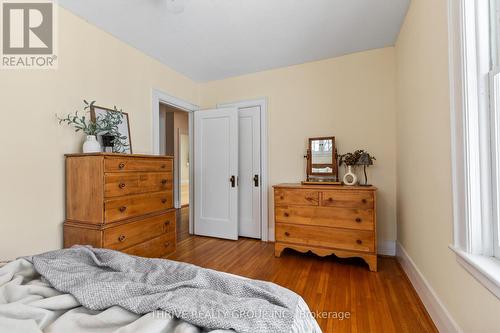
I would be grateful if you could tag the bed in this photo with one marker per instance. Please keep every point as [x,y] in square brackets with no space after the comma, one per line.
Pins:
[95,290]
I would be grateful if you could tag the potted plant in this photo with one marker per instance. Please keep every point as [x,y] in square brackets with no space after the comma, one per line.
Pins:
[106,125]
[365,159]
[351,160]
[86,125]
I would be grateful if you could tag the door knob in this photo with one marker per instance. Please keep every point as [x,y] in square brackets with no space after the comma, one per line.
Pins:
[232,180]
[256,180]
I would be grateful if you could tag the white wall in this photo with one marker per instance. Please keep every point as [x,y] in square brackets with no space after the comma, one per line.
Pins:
[424,195]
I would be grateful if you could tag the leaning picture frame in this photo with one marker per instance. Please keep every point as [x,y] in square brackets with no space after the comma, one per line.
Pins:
[123,128]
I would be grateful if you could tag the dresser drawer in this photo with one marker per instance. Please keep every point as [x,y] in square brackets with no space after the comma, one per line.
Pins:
[135,205]
[125,164]
[127,235]
[154,248]
[123,183]
[296,197]
[348,199]
[357,240]
[359,219]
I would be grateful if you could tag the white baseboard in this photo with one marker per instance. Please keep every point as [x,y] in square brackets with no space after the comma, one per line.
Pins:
[387,248]
[436,309]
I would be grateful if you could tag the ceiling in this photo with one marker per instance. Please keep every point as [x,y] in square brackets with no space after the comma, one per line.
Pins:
[215,39]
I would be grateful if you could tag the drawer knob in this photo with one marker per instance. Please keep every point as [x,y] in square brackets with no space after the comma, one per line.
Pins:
[287,233]
[167,223]
[122,209]
[286,214]
[358,241]
[167,244]
[163,201]
[330,199]
[282,197]
[163,166]
[364,201]
[121,165]
[163,181]
[122,185]
[358,220]
[121,238]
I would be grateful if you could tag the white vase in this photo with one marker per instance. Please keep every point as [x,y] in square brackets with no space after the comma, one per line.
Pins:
[91,145]
[350,177]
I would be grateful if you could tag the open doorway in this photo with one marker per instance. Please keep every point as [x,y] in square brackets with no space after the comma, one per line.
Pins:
[174,141]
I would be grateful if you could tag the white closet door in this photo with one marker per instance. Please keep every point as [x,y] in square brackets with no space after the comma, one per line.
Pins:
[249,172]
[216,170]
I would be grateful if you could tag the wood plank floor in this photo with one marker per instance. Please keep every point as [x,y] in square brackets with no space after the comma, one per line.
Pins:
[377,302]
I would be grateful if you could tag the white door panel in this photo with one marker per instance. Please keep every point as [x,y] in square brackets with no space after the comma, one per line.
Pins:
[216,160]
[249,173]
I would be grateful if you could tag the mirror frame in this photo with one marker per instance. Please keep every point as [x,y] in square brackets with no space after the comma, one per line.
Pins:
[335,170]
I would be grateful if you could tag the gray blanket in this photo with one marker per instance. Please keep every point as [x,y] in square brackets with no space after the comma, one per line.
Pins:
[100,279]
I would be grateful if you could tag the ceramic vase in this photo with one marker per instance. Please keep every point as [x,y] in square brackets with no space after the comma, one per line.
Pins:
[91,145]
[350,177]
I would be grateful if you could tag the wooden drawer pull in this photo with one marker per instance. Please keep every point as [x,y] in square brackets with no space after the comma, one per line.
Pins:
[286,214]
[330,199]
[287,233]
[163,201]
[163,181]
[358,220]
[122,209]
[121,165]
[282,197]
[122,185]
[121,238]
[364,201]
[167,244]
[163,166]
[359,241]
[167,223]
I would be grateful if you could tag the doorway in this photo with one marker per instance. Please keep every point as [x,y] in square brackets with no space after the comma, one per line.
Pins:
[160,101]
[174,141]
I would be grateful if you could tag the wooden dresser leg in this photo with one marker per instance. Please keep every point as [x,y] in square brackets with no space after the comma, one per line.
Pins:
[372,262]
[278,249]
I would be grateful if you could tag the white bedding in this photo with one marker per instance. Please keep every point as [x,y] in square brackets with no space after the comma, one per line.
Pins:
[28,304]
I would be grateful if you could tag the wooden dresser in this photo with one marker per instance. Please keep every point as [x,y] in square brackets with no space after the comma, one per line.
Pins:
[326,219]
[122,202]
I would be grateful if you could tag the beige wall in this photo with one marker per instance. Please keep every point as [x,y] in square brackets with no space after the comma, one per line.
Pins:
[424,181]
[351,97]
[92,65]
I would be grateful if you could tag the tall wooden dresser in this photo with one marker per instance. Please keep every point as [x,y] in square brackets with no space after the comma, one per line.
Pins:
[120,201]
[327,219]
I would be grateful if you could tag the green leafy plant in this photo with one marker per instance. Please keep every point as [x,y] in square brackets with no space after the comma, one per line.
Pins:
[349,158]
[106,124]
[81,122]
[356,157]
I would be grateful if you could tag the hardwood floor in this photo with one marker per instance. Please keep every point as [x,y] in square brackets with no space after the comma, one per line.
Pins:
[377,302]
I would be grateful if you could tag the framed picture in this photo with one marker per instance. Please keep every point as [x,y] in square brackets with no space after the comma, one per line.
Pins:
[124,144]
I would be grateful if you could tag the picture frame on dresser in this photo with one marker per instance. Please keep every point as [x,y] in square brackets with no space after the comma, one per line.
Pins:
[327,219]
[123,128]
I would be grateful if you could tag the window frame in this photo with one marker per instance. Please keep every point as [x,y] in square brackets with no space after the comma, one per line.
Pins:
[475,203]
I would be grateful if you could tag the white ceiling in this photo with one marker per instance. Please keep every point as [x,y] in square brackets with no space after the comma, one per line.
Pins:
[215,39]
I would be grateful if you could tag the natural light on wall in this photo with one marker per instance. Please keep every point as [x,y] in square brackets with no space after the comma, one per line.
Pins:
[475,114]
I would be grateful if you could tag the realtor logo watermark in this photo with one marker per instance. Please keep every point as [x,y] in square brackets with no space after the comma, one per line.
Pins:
[28,34]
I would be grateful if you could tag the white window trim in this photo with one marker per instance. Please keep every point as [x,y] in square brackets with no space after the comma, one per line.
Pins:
[470,143]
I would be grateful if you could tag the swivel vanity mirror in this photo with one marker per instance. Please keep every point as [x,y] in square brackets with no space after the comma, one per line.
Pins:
[322,167]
